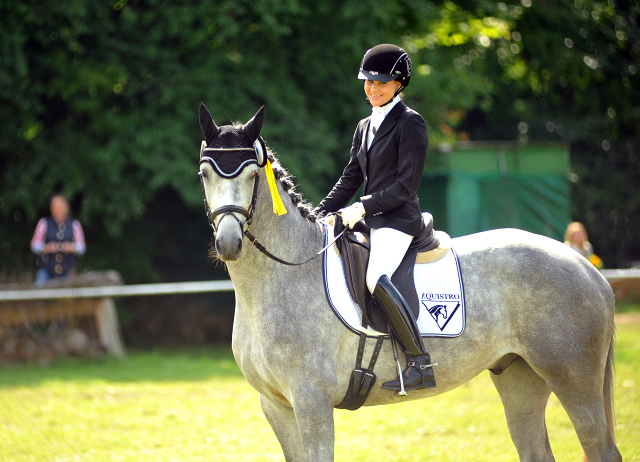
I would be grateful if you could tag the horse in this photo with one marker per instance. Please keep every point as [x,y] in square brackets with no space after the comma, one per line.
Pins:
[539,316]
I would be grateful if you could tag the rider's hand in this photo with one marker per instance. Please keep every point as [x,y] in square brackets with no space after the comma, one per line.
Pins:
[352,214]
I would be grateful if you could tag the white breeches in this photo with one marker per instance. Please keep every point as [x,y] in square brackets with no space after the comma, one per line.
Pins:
[388,247]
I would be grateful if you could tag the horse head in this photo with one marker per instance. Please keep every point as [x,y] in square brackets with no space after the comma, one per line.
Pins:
[230,159]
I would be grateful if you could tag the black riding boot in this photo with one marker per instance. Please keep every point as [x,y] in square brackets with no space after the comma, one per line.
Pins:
[419,372]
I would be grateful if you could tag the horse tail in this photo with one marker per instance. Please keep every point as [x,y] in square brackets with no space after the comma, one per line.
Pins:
[607,391]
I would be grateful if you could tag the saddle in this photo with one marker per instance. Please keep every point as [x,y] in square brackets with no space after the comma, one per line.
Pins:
[354,247]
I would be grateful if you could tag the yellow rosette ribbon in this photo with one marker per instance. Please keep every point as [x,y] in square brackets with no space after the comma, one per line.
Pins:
[278,206]
[596,261]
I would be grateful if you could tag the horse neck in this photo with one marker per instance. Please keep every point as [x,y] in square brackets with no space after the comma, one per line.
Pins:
[272,298]
[290,237]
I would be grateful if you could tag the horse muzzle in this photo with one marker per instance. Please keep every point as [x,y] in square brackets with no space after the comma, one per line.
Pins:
[228,239]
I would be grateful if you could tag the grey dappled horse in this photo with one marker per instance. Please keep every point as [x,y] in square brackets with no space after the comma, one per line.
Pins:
[534,308]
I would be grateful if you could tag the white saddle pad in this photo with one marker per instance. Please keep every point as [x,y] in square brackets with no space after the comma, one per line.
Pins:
[439,287]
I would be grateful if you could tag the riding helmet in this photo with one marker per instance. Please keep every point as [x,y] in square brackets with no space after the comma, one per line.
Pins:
[385,63]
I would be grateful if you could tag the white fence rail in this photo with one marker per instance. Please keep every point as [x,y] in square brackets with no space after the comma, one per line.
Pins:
[105,310]
[117,291]
[183,288]
[613,274]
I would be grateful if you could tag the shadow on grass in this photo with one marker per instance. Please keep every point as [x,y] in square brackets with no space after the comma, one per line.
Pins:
[167,365]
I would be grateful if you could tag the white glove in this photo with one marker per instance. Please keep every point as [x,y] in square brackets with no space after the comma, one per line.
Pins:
[352,214]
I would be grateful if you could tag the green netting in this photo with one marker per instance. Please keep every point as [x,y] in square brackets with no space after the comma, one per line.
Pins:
[480,186]
[467,202]
[502,157]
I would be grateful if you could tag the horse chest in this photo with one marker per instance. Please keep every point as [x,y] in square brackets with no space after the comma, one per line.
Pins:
[263,370]
[257,349]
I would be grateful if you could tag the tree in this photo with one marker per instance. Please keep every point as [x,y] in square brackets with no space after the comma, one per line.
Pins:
[558,71]
[99,101]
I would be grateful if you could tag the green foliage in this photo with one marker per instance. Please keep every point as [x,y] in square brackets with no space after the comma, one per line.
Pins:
[566,72]
[99,100]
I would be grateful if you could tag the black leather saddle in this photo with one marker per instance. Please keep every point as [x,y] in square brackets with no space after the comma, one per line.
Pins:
[354,248]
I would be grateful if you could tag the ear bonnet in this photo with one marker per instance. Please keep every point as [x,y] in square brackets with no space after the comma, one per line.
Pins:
[229,149]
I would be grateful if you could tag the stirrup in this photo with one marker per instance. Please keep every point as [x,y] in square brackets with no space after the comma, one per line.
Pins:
[402,393]
[425,380]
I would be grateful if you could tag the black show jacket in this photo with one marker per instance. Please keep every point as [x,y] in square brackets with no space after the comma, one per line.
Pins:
[391,172]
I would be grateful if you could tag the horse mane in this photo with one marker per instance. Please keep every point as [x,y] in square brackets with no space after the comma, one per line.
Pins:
[279,172]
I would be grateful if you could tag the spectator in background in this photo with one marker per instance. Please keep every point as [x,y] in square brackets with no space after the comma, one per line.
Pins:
[57,240]
[576,237]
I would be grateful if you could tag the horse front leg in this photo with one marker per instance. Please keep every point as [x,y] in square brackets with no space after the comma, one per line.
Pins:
[314,415]
[283,422]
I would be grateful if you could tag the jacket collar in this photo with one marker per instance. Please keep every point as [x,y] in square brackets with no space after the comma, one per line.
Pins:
[389,121]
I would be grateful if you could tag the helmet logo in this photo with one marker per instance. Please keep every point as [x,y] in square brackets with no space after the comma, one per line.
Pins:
[373,72]
[408,62]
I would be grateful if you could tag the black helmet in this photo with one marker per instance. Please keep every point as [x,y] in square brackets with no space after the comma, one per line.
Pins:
[385,63]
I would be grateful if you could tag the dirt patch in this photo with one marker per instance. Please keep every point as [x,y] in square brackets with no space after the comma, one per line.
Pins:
[627,289]
[627,317]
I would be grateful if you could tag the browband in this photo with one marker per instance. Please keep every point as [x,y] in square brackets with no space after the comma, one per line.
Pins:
[229,162]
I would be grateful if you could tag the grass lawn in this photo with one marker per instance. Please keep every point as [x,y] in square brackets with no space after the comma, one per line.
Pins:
[195,405]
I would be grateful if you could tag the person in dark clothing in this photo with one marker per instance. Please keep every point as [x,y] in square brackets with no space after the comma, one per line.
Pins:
[57,240]
[387,156]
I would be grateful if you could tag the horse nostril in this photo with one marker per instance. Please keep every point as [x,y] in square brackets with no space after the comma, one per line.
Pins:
[239,247]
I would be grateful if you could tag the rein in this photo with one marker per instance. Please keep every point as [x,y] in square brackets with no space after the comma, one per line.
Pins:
[262,249]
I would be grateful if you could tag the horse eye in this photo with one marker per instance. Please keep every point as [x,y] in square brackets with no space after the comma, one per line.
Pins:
[202,174]
[253,175]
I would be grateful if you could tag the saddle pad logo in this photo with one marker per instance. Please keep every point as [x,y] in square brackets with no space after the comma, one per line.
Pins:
[441,307]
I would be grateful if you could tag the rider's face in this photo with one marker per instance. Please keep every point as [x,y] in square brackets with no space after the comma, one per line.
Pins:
[380,92]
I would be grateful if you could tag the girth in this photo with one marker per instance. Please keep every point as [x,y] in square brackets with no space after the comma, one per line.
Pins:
[354,248]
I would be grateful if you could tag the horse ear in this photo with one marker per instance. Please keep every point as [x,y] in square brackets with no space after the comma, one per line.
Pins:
[253,127]
[207,125]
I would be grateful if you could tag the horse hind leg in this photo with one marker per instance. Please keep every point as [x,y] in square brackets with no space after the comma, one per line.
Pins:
[283,422]
[589,404]
[524,395]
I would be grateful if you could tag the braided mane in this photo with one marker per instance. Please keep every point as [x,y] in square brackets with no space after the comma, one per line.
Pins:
[279,172]
[305,209]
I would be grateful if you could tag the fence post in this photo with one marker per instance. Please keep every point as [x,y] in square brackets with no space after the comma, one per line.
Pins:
[108,327]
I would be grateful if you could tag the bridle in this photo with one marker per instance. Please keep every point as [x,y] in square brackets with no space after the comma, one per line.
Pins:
[248,214]
[229,209]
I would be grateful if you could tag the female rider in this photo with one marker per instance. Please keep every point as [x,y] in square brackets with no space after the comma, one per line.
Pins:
[388,155]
